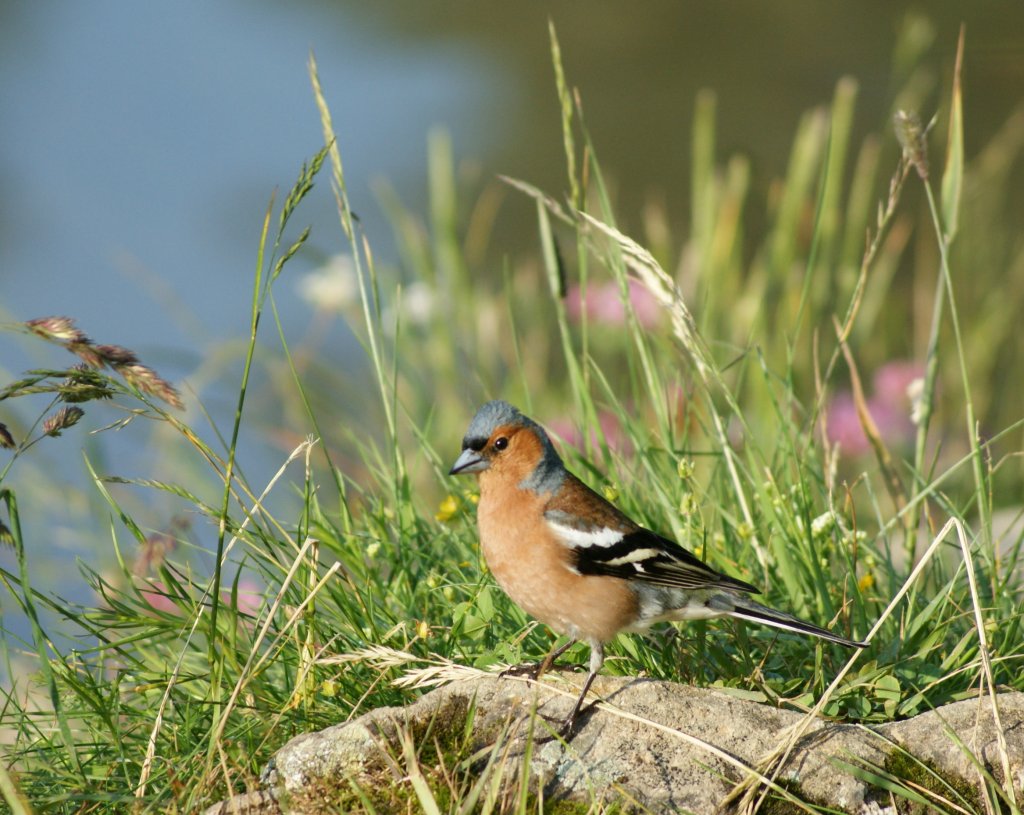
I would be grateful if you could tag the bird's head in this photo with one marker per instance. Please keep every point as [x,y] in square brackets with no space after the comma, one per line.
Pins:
[502,442]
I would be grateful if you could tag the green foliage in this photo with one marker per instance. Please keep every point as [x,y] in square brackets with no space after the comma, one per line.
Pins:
[702,406]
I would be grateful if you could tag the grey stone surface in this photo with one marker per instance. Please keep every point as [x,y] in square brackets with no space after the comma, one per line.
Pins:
[653,765]
[933,737]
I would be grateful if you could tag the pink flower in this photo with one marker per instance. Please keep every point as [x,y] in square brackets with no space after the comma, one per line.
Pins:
[158,598]
[250,597]
[890,406]
[893,380]
[156,595]
[603,304]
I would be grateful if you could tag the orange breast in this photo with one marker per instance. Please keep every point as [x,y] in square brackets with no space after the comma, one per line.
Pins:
[534,569]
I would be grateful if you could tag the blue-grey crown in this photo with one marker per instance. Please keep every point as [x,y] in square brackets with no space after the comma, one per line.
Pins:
[490,417]
[550,472]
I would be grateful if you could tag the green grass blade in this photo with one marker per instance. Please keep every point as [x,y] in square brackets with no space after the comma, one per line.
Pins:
[39,638]
[953,173]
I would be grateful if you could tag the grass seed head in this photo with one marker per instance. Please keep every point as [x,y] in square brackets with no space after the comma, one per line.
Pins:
[148,381]
[57,329]
[115,355]
[62,420]
[86,351]
[911,136]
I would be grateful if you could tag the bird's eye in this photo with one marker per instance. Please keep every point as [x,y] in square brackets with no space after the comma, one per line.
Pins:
[500,443]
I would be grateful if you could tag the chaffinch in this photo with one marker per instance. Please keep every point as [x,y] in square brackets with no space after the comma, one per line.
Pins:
[575,562]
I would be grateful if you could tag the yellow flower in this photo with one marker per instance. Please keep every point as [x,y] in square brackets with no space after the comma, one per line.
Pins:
[448,509]
[685,468]
[866,581]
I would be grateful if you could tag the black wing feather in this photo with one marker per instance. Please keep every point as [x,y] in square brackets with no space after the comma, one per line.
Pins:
[647,556]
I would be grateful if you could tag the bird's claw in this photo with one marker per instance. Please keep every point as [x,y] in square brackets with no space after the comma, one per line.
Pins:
[568,727]
[531,670]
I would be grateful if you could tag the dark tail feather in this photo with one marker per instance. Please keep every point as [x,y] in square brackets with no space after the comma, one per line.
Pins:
[749,610]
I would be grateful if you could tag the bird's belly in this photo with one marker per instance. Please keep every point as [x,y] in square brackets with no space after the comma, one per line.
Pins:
[540,581]
[659,604]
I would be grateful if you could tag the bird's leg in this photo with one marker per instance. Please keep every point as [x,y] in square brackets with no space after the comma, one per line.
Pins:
[534,670]
[566,730]
[596,661]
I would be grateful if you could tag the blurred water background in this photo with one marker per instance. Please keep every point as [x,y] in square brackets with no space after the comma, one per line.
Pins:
[140,143]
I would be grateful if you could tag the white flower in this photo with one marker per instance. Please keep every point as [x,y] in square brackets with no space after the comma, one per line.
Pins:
[331,287]
[823,524]
[915,392]
[417,305]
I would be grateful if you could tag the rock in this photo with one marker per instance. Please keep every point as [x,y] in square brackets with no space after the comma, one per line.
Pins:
[261,802]
[657,745]
[933,737]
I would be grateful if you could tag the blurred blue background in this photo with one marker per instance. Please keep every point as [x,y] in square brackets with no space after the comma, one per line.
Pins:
[140,143]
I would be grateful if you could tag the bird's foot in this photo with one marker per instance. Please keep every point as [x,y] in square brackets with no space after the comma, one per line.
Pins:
[567,728]
[531,670]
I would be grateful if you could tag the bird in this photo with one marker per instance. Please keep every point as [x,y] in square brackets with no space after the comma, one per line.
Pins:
[578,564]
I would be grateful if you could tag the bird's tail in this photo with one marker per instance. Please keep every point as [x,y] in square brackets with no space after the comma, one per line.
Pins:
[747,609]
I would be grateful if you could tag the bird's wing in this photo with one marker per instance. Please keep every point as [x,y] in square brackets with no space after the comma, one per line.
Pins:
[604,541]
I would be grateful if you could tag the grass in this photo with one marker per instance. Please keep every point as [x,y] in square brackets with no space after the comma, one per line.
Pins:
[711,417]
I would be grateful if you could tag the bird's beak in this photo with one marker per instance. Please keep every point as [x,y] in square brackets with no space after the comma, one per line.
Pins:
[469,461]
